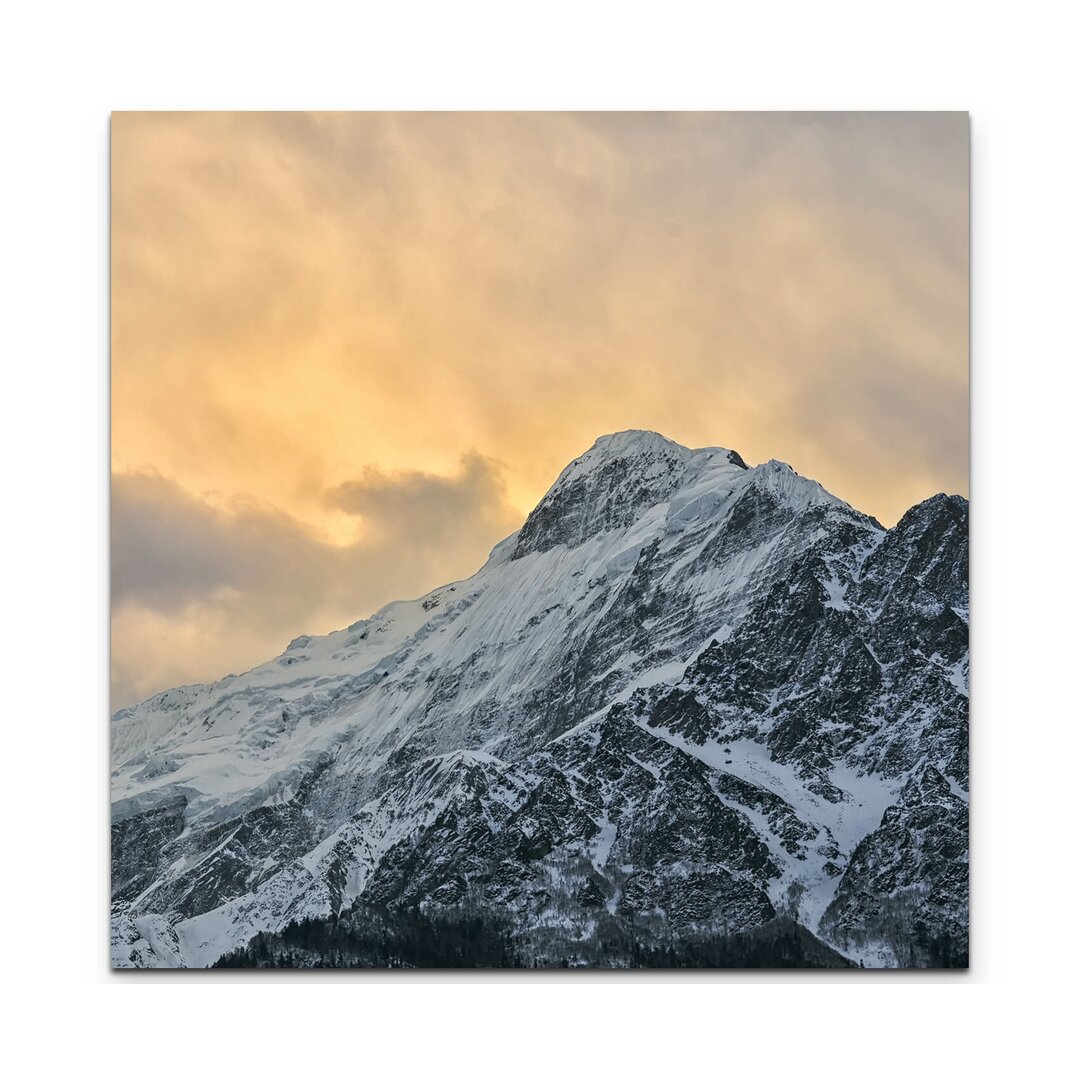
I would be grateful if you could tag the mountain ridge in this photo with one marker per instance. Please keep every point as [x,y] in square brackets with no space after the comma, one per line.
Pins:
[756,631]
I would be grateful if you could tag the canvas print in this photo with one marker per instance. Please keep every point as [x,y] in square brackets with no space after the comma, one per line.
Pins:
[539,540]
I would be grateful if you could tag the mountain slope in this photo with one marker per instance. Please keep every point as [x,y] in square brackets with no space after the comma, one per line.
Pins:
[686,697]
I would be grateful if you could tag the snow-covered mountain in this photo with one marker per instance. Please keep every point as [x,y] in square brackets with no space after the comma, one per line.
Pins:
[686,699]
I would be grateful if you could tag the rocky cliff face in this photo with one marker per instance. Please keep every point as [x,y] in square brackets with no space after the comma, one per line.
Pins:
[686,698]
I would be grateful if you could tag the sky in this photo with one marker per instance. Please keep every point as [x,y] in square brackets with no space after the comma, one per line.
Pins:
[350,351]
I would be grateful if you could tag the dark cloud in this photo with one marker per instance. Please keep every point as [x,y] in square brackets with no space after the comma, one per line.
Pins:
[170,548]
[411,501]
[242,580]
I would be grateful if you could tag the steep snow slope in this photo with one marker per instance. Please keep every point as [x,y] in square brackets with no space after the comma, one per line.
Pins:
[781,664]
[471,647]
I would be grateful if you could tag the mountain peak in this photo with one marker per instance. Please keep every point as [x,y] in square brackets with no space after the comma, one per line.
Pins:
[631,441]
[646,448]
[613,483]
[635,442]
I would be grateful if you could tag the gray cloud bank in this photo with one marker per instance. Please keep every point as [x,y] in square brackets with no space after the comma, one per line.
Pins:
[199,590]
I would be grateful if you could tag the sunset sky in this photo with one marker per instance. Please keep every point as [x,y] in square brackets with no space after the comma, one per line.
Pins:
[351,351]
